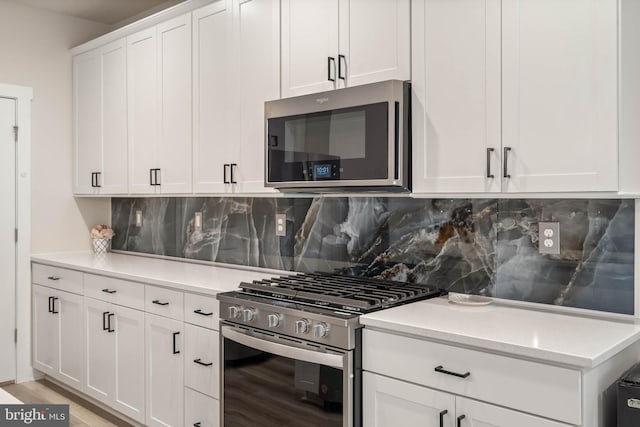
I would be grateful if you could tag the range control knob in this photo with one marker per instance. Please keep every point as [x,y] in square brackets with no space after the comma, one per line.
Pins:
[248,314]
[234,311]
[320,330]
[302,326]
[273,320]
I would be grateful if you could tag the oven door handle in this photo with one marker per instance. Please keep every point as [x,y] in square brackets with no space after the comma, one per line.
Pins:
[326,359]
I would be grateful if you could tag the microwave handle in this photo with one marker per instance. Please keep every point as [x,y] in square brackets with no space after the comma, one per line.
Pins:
[326,359]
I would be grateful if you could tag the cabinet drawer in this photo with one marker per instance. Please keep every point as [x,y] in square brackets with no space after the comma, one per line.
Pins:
[533,387]
[201,360]
[117,291]
[165,302]
[201,310]
[58,278]
[200,409]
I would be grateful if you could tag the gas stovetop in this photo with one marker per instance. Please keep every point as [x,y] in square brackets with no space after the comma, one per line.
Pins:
[322,308]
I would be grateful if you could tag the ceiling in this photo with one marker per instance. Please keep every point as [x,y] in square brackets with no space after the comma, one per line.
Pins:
[108,12]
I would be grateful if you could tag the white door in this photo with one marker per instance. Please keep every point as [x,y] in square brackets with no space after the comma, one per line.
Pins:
[257,46]
[559,95]
[375,41]
[164,371]
[456,96]
[100,350]
[389,402]
[201,356]
[7,239]
[309,46]
[45,331]
[476,414]
[174,74]
[71,344]
[215,118]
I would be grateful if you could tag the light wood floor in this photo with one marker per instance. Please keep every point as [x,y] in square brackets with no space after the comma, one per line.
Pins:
[82,412]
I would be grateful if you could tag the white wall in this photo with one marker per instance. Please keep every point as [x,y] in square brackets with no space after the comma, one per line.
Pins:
[34,51]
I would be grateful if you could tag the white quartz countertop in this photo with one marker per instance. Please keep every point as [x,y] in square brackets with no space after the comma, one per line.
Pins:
[559,338]
[202,278]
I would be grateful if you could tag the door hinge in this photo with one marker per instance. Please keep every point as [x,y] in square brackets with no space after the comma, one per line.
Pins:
[16,235]
[15,133]
[15,335]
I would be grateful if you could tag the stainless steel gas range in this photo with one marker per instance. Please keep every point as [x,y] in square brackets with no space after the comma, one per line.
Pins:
[291,347]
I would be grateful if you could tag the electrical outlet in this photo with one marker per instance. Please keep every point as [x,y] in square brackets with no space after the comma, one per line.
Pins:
[197,221]
[139,218]
[549,238]
[281,224]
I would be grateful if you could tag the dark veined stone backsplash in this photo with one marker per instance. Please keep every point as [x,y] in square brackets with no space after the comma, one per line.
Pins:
[480,246]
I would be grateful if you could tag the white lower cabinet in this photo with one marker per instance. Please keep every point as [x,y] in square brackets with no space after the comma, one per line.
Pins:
[394,403]
[201,360]
[164,371]
[115,356]
[58,334]
[200,410]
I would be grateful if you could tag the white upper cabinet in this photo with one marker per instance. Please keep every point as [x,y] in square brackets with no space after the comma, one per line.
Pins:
[159,99]
[100,121]
[515,96]
[337,43]
[559,99]
[236,48]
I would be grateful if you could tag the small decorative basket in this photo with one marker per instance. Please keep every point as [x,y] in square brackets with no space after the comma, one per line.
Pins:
[100,246]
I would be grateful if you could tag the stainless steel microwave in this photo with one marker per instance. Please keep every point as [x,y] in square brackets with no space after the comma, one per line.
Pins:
[355,138]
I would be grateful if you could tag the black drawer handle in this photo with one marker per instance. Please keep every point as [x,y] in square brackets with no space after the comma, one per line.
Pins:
[109,291]
[175,351]
[53,278]
[197,424]
[157,301]
[200,362]
[460,418]
[455,374]
[104,321]
[442,414]
[200,312]
[224,174]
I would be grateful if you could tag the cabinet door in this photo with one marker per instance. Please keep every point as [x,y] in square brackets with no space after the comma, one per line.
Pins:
[309,40]
[394,403]
[87,106]
[143,115]
[200,410]
[71,344]
[559,95]
[477,414]
[100,350]
[128,392]
[45,331]
[216,128]
[456,96]
[257,45]
[174,144]
[375,40]
[113,179]
[202,360]
[164,371]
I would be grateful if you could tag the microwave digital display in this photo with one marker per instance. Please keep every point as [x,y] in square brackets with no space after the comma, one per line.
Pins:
[322,171]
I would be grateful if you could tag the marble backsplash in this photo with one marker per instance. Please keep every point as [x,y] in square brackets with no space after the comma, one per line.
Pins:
[480,246]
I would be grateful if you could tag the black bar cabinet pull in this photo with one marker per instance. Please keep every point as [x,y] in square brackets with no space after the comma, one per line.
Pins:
[224,174]
[341,58]
[109,291]
[53,278]
[202,313]
[151,177]
[197,424]
[506,162]
[200,362]
[489,174]
[233,166]
[53,305]
[155,177]
[50,309]
[331,60]
[442,414]
[157,301]
[455,374]
[98,179]
[109,322]
[175,334]
[104,321]
[459,420]
[93,179]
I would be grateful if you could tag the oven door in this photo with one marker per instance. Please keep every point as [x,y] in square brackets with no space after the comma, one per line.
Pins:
[270,380]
